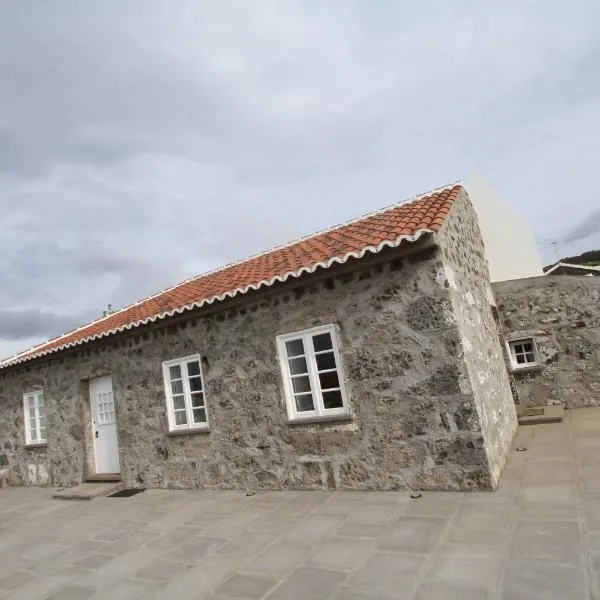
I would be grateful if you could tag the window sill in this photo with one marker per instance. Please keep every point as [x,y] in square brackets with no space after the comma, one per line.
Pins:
[191,431]
[528,369]
[36,445]
[321,419]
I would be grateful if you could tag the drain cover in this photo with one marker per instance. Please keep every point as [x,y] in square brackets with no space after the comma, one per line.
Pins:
[126,493]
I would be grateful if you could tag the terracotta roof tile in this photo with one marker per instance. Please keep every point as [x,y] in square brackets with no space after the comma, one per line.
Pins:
[373,232]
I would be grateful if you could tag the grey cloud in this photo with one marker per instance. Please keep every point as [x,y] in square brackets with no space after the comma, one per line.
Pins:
[587,228]
[31,323]
[143,143]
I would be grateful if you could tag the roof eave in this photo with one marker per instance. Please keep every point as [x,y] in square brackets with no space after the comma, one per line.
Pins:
[336,260]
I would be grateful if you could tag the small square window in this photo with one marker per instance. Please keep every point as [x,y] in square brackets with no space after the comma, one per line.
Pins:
[184,391]
[312,376]
[523,354]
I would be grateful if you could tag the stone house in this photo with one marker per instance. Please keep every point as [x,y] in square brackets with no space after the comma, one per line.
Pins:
[551,327]
[366,356]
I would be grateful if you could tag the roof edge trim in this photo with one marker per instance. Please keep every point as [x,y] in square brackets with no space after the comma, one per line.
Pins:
[21,358]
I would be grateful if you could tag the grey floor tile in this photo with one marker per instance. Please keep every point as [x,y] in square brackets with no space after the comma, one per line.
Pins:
[15,580]
[547,510]
[314,528]
[477,537]
[553,493]
[72,592]
[308,584]
[341,554]
[445,591]
[130,542]
[248,544]
[417,534]
[559,541]
[374,513]
[127,590]
[195,551]
[529,580]
[198,581]
[247,587]
[278,560]
[473,567]
[431,506]
[346,594]
[173,539]
[235,524]
[94,560]
[366,530]
[387,574]
[160,571]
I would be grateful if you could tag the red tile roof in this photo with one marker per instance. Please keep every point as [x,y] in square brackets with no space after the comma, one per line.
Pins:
[369,233]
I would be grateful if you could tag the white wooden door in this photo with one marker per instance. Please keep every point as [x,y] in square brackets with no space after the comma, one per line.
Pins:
[106,447]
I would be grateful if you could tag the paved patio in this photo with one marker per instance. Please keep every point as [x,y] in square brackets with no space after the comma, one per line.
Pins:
[537,537]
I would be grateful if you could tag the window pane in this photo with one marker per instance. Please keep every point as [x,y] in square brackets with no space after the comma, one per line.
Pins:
[295,347]
[298,366]
[42,422]
[180,417]
[41,409]
[329,380]
[42,434]
[199,415]
[530,357]
[196,384]
[301,384]
[322,342]
[178,402]
[325,361]
[175,372]
[33,435]
[177,387]
[193,368]
[333,399]
[32,423]
[31,402]
[304,402]
[197,399]
[520,359]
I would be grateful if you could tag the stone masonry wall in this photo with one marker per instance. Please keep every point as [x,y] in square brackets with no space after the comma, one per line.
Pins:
[468,281]
[414,424]
[562,314]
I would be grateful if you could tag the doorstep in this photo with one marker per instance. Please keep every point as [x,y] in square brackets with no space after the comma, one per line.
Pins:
[89,490]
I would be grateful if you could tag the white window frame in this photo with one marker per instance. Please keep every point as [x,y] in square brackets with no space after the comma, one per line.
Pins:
[35,395]
[319,412]
[512,354]
[187,394]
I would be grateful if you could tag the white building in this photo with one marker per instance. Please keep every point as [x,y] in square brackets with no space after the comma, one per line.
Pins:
[510,244]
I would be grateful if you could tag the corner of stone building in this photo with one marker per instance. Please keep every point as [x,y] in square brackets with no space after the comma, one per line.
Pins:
[467,279]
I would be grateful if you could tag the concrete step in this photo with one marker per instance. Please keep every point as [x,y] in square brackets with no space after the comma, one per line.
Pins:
[537,415]
[89,490]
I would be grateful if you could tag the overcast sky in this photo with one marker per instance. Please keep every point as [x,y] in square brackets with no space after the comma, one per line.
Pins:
[143,142]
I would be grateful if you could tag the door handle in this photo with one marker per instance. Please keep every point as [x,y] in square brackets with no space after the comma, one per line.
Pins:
[96,433]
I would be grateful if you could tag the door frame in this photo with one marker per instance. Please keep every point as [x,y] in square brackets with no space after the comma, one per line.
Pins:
[93,416]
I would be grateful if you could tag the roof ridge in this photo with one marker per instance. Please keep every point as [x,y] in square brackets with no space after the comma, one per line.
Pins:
[26,353]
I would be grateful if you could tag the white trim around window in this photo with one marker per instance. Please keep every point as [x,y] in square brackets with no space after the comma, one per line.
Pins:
[312,375]
[34,409]
[523,354]
[185,394]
